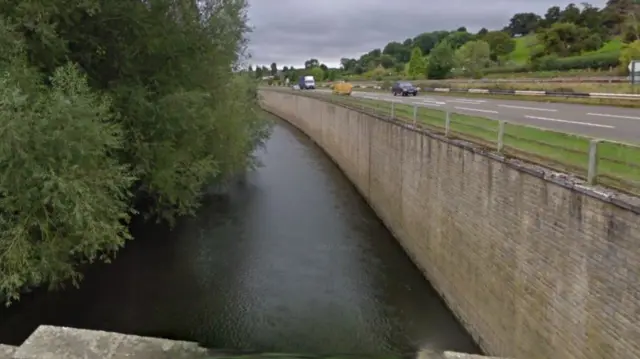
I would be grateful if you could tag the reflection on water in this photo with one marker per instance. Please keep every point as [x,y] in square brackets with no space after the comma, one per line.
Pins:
[292,259]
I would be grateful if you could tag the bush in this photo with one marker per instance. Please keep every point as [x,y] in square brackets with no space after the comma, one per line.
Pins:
[507,69]
[64,198]
[595,61]
[163,103]
[629,52]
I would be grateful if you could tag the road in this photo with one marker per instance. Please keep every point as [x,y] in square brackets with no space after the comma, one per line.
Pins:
[604,122]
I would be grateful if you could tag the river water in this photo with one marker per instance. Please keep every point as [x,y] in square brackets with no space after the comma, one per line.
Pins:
[291,259]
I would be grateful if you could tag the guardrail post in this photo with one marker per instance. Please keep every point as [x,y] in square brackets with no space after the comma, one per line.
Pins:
[501,125]
[592,171]
[415,115]
[393,109]
[447,123]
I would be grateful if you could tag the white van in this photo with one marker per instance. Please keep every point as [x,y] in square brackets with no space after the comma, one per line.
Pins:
[307,83]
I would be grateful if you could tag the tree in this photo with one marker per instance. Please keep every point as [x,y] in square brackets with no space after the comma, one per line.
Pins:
[274,69]
[570,14]
[311,63]
[63,196]
[387,61]
[563,39]
[552,16]
[523,23]
[317,73]
[136,121]
[428,40]
[457,39]
[629,52]
[473,57]
[398,51]
[483,32]
[441,61]
[258,72]
[500,44]
[417,66]
[347,64]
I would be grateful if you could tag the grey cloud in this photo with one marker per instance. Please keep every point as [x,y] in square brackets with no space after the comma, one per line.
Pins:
[289,32]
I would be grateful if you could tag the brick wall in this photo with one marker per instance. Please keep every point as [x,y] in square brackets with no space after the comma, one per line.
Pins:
[533,267]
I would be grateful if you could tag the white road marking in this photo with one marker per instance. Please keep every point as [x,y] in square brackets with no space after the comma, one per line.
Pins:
[571,122]
[428,104]
[614,116]
[529,108]
[475,109]
[466,102]
[469,100]
[434,101]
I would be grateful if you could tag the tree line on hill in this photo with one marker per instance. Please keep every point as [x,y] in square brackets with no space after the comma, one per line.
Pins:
[562,39]
[105,105]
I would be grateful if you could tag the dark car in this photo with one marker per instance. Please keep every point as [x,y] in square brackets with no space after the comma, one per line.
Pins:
[404,88]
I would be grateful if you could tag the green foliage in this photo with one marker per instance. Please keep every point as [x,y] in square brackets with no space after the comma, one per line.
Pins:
[474,57]
[317,73]
[590,61]
[563,39]
[629,52]
[441,61]
[64,199]
[458,38]
[417,65]
[500,44]
[158,111]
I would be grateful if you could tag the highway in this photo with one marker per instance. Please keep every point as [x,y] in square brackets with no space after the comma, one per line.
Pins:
[604,122]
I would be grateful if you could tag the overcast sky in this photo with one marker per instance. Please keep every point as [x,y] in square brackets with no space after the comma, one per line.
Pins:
[289,32]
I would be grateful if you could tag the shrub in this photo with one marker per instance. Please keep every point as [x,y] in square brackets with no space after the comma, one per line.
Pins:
[64,199]
[629,52]
[593,61]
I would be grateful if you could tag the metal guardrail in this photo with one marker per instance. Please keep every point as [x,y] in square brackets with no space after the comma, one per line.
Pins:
[568,79]
[597,161]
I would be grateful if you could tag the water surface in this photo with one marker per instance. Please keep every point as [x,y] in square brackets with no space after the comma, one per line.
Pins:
[292,259]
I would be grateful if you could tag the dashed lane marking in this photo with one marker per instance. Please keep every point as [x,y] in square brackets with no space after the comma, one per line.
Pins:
[529,108]
[475,109]
[571,122]
[466,100]
[614,116]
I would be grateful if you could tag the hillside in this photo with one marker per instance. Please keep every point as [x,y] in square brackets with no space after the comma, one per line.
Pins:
[574,38]
[525,44]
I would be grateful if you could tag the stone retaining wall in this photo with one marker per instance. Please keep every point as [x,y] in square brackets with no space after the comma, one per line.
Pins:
[533,265]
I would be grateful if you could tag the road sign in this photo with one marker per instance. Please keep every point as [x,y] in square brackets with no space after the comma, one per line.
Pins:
[634,66]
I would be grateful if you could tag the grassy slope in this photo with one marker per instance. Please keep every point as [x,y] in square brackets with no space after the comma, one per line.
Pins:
[520,54]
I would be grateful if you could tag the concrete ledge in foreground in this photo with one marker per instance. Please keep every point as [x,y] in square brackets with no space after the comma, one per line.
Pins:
[6,351]
[49,342]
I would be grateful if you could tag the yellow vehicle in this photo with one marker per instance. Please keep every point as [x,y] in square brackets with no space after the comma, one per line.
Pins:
[342,88]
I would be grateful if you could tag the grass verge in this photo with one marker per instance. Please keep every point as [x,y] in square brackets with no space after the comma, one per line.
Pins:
[618,163]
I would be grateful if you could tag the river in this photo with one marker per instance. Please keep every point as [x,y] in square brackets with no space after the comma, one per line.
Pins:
[290,259]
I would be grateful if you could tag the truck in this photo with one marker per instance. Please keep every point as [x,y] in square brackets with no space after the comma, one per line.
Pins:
[307,83]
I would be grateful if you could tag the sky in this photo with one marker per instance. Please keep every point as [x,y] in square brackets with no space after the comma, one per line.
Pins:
[289,32]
